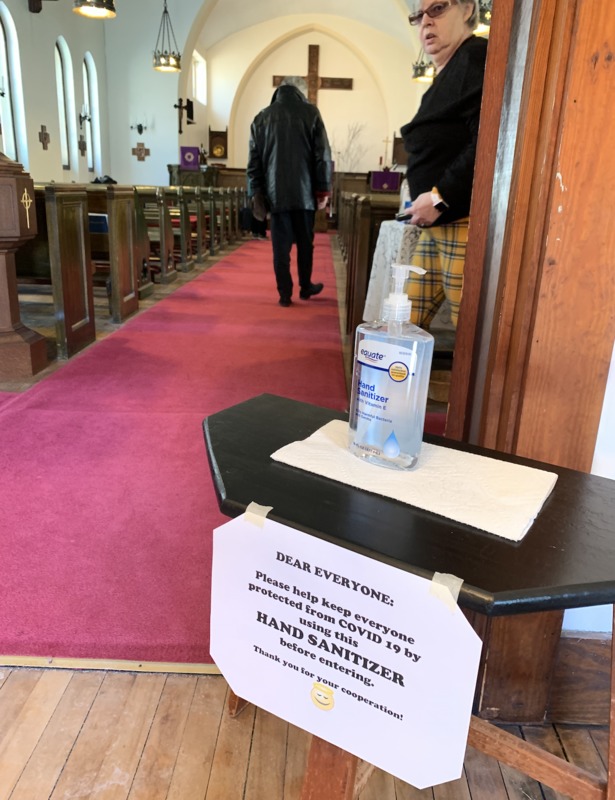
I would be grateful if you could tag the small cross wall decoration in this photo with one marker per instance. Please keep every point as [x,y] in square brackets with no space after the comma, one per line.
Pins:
[140,151]
[44,137]
[82,145]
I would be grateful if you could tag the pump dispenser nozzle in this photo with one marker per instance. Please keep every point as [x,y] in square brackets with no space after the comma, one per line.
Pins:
[397,306]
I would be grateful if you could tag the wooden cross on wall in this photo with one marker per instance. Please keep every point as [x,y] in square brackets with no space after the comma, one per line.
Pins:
[188,107]
[44,137]
[314,81]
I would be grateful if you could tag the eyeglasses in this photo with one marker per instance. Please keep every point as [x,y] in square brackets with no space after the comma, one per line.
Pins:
[435,10]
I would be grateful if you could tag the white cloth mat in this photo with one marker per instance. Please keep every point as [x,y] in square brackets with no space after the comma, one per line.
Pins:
[486,493]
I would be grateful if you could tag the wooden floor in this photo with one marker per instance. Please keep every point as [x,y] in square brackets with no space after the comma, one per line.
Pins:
[67,734]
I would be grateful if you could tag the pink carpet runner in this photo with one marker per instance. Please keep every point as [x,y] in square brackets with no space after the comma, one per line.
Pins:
[107,506]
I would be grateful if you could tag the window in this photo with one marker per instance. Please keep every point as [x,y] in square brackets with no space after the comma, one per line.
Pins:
[199,78]
[86,117]
[67,122]
[92,109]
[7,140]
[12,112]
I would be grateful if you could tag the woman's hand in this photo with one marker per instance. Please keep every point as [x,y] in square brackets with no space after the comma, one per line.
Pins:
[422,211]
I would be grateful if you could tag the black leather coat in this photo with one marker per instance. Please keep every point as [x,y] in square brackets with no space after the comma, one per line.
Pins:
[290,158]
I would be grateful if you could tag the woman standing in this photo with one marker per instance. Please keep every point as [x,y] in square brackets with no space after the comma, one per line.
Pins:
[441,146]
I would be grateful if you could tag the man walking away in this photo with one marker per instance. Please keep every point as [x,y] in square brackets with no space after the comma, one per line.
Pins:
[289,176]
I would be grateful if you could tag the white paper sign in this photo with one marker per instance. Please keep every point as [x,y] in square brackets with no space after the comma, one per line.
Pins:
[357,652]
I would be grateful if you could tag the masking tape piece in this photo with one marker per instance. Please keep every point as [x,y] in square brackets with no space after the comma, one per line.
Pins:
[257,514]
[446,587]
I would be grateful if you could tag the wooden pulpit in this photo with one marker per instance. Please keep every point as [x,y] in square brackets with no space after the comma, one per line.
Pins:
[23,352]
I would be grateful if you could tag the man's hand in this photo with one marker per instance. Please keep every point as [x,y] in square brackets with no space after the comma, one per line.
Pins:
[259,207]
[322,198]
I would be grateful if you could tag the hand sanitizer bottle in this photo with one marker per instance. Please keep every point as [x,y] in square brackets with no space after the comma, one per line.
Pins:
[392,364]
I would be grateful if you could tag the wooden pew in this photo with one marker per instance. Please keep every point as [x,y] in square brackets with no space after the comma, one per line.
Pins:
[157,215]
[216,234]
[234,181]
[142,249]
[221,203]
[346,204]
[60,255]
[183,226]
[228,206]
[236,198]
[231,177]
[367,213]
[242,203]
[113,246]
[198,210]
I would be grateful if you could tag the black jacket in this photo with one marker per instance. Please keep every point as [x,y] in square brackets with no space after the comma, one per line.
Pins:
[441,139]
[290,158]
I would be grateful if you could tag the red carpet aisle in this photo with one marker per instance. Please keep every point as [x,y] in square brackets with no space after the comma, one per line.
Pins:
[6,397]
[106,500]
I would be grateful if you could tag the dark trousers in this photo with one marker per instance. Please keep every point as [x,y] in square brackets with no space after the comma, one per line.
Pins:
[288,227]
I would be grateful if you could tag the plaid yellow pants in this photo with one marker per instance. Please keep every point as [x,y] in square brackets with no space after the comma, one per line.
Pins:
[441,251]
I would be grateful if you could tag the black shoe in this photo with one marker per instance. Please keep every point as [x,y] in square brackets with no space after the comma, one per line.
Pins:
[314,288]
[285,301]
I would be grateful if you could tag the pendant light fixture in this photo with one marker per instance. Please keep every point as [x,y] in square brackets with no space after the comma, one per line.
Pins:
[423,70]
[484,18]
[95,9]
[167,57]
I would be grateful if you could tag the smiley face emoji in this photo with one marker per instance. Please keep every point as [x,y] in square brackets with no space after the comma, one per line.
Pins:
[322,696]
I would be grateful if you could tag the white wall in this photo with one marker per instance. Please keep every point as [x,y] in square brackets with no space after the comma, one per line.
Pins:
[244,45]
[242,63]
[339,108]
[37,35]
[600,618]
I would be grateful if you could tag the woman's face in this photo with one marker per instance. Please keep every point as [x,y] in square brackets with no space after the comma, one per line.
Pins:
[442,34]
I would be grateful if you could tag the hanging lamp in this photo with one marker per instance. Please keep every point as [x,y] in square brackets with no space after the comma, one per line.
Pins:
[484,18]
[167,57]
[423,70]
[95,9]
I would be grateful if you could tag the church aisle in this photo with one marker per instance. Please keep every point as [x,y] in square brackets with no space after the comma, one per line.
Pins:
[37,312]
[106,543]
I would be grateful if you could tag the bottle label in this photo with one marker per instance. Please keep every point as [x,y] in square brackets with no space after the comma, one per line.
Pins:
[398,362]
[389,394]
[382,391]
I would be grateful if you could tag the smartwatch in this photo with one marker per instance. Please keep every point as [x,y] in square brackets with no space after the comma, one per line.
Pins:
[436,199]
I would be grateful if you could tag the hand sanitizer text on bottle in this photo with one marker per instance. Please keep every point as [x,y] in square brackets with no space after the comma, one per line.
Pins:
[390,382]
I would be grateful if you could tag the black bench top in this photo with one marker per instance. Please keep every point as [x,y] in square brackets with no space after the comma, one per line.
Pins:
[566,559]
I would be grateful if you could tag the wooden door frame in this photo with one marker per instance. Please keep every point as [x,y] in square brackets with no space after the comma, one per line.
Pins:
[485,323]
[502,344]
[513,322]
